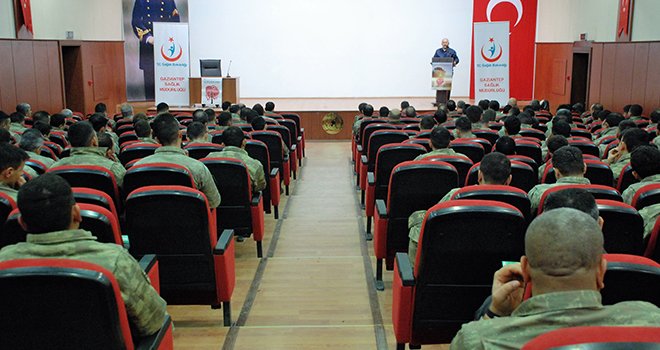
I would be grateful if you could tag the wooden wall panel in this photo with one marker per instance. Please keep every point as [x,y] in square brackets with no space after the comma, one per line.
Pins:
[607,76]
[596,72]
[112,84]
[24,72]
[30,72]
[652,99]
[42,76]
[639,69]
[7,88]
[546,81]
[623,71]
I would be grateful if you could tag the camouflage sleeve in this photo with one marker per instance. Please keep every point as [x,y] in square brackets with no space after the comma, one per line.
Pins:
[415,224]
[465,339]
[119,172]
[207,185]
[628,195]
[145,308]
[258,178]
[534,199]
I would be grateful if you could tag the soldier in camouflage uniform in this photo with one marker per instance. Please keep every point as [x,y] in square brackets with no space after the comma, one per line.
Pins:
[85,151]
[619,157]
[569,169]
[367,112]
[31,142]
[12,162]
[645,163]
[52,217]
[564,262]
[495,169]
[143,132]
[554,143]
[234,141]
[650,214]
[166,130]
[463,128]
[439,141]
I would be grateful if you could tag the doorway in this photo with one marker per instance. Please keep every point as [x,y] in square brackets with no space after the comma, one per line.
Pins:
[73,78]
[580,74]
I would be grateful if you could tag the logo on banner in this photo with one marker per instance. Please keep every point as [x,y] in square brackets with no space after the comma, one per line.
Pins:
[491,51]
[171,50]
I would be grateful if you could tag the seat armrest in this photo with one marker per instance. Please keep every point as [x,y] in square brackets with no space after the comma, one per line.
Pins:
[223,242]
[274,172]
[371,178]
[405,270]
[364,159]
[154,341]
[299,138]
[293,148]
[147,262]
[359,148]
[381,208]
[256,197]
[285,158]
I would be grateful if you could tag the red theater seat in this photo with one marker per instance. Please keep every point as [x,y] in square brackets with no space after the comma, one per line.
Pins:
[44,299]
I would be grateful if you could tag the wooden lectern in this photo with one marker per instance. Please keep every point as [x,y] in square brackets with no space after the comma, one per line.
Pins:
[230,90]
[442,96]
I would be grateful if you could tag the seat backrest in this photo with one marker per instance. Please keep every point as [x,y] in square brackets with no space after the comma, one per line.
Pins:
[7,205]
[232,179]
[59,138]
[598,173]
[388,157]
[528,132]
[624,268]
[417,141]
[461,243]
[522,176]
[461,164]
[524,159]
[175,223]
[585,145]
[414,185]
[598,191]
[626,178]
[646,195]
[577,132]
[127,137]
[367,121]
[623,227]
[96,197]
[380,138]
[284,133]
[529,149]
[157,174]
[136,151]
[102,223]
[370,129]
[293,129]
[90,176]
[59,295]
[199,151]
[487,134]
[500,193]
[597,338]
[273,141]
[38,166]
[473,150]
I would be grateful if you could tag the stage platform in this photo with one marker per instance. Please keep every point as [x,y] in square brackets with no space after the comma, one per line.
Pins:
[325,118]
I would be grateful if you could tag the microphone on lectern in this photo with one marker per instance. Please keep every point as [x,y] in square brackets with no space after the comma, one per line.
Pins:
[229,76]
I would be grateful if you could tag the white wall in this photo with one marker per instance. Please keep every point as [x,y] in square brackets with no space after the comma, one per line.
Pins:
[339,48]
[7,26]
[564,20]
[645,20]
[89,19]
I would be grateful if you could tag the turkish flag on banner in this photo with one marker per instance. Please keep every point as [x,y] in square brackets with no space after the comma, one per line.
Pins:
[522,40]
[624,18]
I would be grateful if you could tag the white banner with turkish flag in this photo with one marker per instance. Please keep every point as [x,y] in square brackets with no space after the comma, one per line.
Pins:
[211,91]
[491,61]
[171,63]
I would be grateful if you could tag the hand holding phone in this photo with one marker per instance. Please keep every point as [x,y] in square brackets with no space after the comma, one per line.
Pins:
[507,289]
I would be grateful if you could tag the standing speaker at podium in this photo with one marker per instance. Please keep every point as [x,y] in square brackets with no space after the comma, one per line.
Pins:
[444,54]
